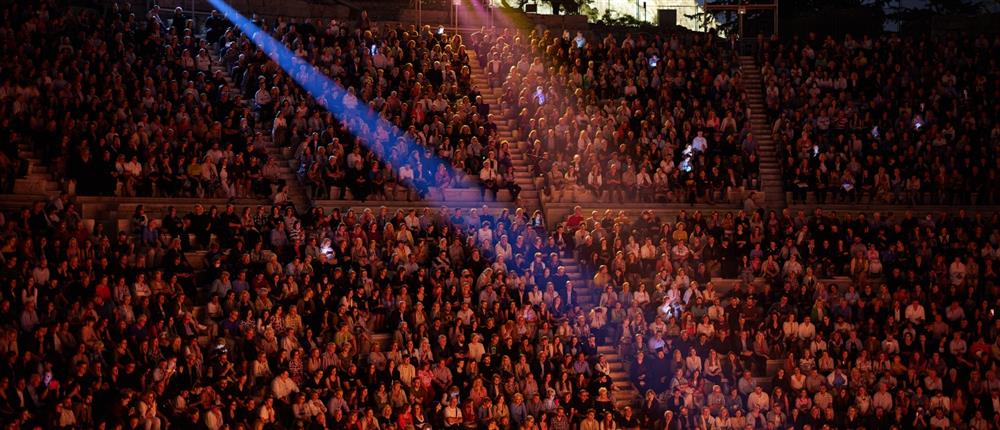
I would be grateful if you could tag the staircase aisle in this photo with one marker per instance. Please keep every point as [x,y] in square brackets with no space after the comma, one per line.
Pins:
[770,171]
[284,156]
[38,181]
[624,394]
[529,198]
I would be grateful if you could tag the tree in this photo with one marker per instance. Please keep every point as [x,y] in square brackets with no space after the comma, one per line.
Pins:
[956,7]
[567,7]
[923,14]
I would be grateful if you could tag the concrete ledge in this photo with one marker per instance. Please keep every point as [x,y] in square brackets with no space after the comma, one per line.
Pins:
[556,213]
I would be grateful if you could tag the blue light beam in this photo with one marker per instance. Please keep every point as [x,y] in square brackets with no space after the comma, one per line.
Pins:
[361,121]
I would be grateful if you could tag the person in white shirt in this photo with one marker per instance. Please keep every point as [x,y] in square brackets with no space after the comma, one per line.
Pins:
[978,422]
[405,174]
[267,415]
[203,61]
[956,272]
[699,143]
[648,251]
[476,348]
[823,399]
[213,418]
[283,386]
[485,235]
[716,312]
[411,220]
[132,167]
[759,400]
[503,249]
[147,411]
[350,100]
[939,420]
[790,327]
[64,413]
[890,345]
[465,314]
[806,330]
[535,296]
[957,347]
[489,175]
[337,403]
[643,183]
[262,98]
[41,272]
[407,371]
[141,288]
[954,313]
[493,69]
[882,398]
[693,361]
[797,381]
[306,409]
[915,313]
[939,400]
[792,266]
[452,414]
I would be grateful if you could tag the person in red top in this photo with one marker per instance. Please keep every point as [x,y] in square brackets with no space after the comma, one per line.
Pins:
[404,419]
[469,414]
[979,348]
[575,219]
[102,289]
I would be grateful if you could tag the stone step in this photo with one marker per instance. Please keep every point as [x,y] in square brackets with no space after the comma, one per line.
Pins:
[35,167]
[773,365]
[35,186]
[627,392]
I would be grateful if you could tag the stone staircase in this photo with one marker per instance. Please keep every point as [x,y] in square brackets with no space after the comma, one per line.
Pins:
[39,180]
[529,197]
[587,297]
[288,165]
[770,168]
[624,394]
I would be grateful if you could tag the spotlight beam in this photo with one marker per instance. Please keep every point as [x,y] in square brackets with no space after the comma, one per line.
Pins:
[373,130]
[364,123]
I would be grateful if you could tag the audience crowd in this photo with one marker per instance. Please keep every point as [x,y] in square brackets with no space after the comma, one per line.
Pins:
[886,119]
[877,321]
[636,119]
[285,317]
[418,79]
[127,104]
[140,105]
